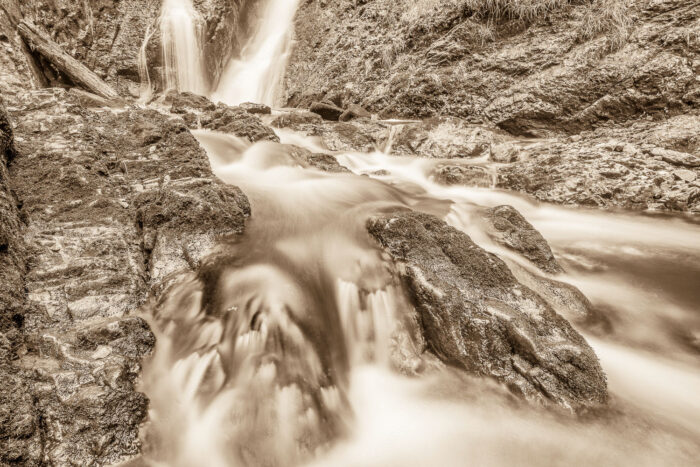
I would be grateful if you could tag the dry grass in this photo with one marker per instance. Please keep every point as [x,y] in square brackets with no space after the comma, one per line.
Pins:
[600,16]
[610,17]
[512,9]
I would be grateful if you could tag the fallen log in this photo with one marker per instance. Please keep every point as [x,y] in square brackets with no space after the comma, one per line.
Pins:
[78,73]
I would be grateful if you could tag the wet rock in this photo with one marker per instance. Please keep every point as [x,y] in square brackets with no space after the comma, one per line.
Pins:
[512,230]
[238,122]
[324,162]
[565,299]
[260,109]
[354,111]
[184,102]
[462,175]
[504,153]
[357,135]
[443,138]
[114,202]
[307,122]
[475,314]
[327,110]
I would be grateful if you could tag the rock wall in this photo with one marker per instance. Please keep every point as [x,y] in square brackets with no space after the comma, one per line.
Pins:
[113,203]
[569,67]
[107,36]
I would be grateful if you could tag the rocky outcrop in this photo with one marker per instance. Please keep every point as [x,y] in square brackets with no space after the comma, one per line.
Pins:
[320,161]
[114,203]
[532,69]
[238,122]
[223,20]
[476,316]
[644,166]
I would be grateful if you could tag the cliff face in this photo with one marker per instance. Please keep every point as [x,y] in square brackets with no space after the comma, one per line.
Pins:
[109,35]
[565,66]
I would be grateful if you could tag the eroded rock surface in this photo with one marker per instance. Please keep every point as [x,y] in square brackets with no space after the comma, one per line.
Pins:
[114,202]
[565,66]
[475,314]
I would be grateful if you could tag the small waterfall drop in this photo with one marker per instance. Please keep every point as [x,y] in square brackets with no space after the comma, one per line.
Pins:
[256,74]
[181,32]
[295,345]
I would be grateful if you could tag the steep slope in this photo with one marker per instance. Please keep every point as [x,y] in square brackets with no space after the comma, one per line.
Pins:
[532,68]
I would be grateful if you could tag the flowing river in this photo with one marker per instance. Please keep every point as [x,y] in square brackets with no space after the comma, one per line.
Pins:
[294,344]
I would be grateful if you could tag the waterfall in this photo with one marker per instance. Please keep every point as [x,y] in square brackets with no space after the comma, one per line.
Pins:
[296,345]
[181,31]
[256,74]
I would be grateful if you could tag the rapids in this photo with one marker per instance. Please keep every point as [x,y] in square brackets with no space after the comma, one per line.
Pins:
[294,344]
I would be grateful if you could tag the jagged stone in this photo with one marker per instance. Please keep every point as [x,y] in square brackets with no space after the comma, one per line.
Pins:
[305,121]
[324,162]
[259,109]
[184,102]
[237,121]
[462,175]
[326,110]
[476,315]
[442,138]
[512,230]
[357,135]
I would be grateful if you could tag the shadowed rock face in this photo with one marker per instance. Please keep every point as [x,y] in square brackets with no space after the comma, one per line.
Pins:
[18,417]
[114,203]
[476,315]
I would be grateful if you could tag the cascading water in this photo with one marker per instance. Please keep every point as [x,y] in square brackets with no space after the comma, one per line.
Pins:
[295,345]
[256,74]
[181,31]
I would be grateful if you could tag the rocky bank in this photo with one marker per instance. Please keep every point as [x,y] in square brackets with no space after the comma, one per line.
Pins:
[102,202]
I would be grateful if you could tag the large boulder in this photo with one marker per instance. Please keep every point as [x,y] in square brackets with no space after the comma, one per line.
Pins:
[477,316]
